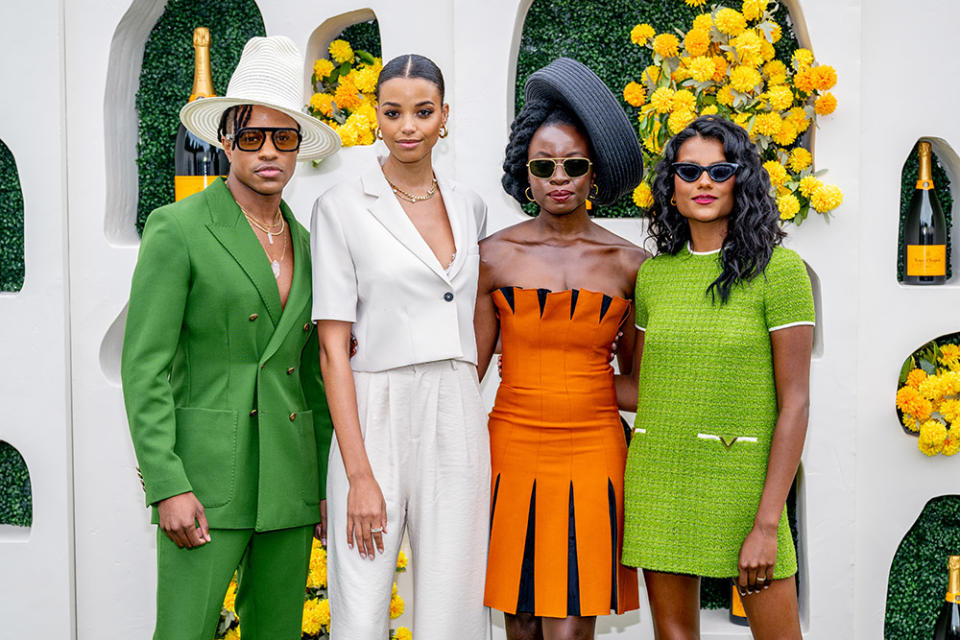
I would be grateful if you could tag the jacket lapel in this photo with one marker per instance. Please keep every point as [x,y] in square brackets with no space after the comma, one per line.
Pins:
[463,235]
[385,208]
[241,242]
[300,288]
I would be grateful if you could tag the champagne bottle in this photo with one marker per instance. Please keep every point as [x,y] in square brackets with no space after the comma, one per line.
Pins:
[948,622]
[925,230]
[198,163]
[738,615]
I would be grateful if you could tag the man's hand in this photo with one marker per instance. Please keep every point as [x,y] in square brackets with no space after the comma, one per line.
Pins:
[183,520]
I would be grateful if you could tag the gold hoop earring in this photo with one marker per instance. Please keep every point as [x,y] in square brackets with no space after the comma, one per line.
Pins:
[594,190]
[673,200]
[443,131]
[529,194]
[378,133]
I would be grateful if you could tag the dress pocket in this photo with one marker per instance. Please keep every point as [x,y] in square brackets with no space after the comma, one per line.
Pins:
[309,464]
[207,446]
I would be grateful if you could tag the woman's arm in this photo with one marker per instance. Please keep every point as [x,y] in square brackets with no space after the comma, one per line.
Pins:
[366,508]
[792,347]
[627,381]
[486,324]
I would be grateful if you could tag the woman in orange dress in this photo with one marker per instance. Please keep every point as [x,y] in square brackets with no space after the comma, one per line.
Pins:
[556,290]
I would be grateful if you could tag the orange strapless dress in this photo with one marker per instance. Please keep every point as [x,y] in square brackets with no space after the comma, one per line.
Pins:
[557,453]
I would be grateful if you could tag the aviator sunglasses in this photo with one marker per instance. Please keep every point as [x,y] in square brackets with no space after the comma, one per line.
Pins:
[252,138]
[718,171]
[546,167]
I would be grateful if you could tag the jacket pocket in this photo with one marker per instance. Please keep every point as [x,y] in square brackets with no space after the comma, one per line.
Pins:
[207,446]
[310,466]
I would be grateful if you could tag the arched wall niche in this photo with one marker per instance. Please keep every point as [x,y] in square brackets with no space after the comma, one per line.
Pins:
[16,495]
[321,38]
[12,258]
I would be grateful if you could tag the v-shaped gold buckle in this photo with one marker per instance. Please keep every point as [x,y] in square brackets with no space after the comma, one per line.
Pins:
[727,444]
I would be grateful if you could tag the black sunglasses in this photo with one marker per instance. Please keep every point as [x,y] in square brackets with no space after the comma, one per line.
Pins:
[546,167]
[252,138]
[718,171]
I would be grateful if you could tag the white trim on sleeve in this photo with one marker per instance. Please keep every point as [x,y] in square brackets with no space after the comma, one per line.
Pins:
[639,328]
[792,324]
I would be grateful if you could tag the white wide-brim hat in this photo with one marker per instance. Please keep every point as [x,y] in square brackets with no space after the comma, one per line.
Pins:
[269,74]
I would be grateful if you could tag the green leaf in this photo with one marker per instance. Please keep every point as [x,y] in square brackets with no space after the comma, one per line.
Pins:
[364,56]
[905,370]
[345,68]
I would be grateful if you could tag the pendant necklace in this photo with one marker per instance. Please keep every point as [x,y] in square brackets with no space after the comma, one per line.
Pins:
[274,262]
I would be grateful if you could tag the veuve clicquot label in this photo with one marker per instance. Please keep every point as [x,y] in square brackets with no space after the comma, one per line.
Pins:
[926,260]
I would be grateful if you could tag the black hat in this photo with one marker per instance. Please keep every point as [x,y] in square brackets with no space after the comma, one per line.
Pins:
[618,162]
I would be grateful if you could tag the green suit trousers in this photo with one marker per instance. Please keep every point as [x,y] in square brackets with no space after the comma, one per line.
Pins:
[191,583]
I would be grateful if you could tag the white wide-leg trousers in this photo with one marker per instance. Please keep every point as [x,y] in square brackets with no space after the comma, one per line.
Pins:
[426,437]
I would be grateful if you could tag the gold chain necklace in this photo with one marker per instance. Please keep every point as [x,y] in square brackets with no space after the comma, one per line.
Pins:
[274,262]
[409,197]
[277,219]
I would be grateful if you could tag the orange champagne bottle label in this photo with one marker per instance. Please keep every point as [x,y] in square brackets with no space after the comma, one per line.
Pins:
[926,260]
[184,186]
[736,605]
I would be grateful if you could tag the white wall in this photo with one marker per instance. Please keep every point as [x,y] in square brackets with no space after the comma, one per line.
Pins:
[863,484]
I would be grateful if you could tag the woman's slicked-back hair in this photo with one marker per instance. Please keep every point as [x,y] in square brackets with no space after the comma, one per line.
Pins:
[753,228]
[536,113]
[411,65]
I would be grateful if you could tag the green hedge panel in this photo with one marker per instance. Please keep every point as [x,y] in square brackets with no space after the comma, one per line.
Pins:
[11,223]
[363,35]
[918,574]
[598,34]
[941,186]
[16,499]
[166,78]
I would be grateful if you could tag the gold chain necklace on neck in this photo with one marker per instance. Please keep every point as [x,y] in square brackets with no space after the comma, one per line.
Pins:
[409,197]
[277,219]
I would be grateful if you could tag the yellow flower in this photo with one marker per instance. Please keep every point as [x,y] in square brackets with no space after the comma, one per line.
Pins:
[230,599]
[720,65]
[703,21]
[232,634]
[396,607]
[800,159]
[321,103]
[709,110]
[767,124]
[642,196]
[753,9]
[788,206]
[949,353]
[741,120]
[666,45]
[950,382]
[349,135]
[695,3]
[679,120]
[744,79]
[826,197]
[341,51]
[808,185]
[780,97]
[931,388]
[365,137]
[697,41]
[824,77]
[369,112]
[749,48]
[951,443]
[682,72]
[322,68]
[910,422]
[317,577]
[825,104]
[804,80]
[702,68]
[915,377]
[767,52]
[775,32]
[932,437]
[347,96]
[651,74]
[950,409]
[730,21]
[775,71]
[683,100]
[652,144]
[776,171]
[316,615]
[402,633]
[662,99]
[641,33]
[725,96]
[365,79]
[401,561]
[634,94]
[787,134]
[798,118]
[802,58]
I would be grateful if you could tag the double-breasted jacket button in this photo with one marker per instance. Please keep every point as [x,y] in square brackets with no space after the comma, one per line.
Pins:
[448,296]
[253,413]
[253,317]
[293,416]
[290,371]
[306,327]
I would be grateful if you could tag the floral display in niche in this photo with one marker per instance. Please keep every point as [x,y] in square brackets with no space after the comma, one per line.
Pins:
[344,92]
[928,396]
[726,65]
[316,604]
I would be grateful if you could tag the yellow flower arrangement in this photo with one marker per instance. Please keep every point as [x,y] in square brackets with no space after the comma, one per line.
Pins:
[396,606]
[344,85]
[725,64]
[402,633]
[928,397]
[642,196]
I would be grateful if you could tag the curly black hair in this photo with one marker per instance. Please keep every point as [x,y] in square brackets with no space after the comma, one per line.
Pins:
[536,113]
[753,228]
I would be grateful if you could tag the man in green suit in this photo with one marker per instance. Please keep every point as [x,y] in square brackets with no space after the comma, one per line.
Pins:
[220,367]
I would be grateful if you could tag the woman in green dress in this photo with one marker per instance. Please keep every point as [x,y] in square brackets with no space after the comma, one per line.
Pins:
[721,389]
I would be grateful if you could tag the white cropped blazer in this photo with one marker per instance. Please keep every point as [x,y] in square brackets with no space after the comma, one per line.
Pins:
[372,267]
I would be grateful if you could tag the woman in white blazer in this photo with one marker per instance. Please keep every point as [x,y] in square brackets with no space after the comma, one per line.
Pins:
[396,261]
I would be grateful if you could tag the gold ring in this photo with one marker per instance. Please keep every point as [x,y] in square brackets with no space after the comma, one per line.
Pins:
[377,530]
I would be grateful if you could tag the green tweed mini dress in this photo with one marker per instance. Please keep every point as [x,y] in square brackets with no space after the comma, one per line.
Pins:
[706,412]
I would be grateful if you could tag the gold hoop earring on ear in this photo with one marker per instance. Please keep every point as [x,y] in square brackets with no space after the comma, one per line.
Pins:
[529,194]
[594,190]
[378,133]
[673,199]
[443,131]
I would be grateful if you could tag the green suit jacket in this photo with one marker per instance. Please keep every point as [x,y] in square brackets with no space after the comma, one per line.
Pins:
[221,385]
